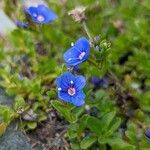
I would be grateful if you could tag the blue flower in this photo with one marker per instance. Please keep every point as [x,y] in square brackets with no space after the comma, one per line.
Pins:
[41,14]
[78,53]
[147,133]
[21,24]
[97,82]
[70,88]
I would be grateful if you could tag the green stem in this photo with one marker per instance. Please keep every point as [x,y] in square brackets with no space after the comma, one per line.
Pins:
[140,124]
[94,64]
[87,31]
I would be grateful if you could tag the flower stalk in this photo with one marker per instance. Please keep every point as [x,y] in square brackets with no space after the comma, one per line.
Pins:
[87,31]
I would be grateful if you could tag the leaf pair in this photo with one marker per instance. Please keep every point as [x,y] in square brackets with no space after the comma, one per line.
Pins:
[104,127]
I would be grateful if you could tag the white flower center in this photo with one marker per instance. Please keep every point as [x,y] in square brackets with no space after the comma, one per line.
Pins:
[81,55]
[40,18]
[71,91]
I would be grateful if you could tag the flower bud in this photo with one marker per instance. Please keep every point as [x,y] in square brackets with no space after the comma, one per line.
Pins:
[147,133]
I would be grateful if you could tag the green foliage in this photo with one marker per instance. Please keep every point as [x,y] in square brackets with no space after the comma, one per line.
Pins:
[7,114]
[19,103]
[115,116]
[65,110]
[87,142]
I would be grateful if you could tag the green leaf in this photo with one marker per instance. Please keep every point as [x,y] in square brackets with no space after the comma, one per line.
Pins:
[95,125]
[75,146]
[103,140]
[42,116]
[51,93]
[32,125]
[113,127]
[131,133]
[106,120]
[65,110]
[36,105]
[6,113]
[19,103]
[77,111]
[87,142]
[72,131]
[118,144]
[82,124]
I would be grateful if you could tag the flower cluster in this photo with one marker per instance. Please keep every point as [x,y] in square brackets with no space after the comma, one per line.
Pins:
[70,86]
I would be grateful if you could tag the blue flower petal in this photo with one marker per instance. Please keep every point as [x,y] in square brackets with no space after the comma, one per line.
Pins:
[31,11]
[64,96]
[83,44]
[147,133]
[78,53]
[71,56]
[80,82]
[63,81]
[78,99]
[47,13]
